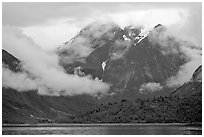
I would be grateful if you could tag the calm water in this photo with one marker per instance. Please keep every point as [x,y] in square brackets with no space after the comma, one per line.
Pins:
[104,129]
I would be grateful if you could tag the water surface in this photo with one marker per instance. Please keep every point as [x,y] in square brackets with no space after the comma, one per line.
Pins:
[102,129]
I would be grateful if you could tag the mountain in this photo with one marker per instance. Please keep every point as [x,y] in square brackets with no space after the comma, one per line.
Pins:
[125,58]
[122,57]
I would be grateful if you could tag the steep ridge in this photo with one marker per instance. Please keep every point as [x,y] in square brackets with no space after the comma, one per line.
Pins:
[11,62]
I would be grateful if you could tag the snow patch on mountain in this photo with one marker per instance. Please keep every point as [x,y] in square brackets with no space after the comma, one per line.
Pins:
[143,34]
[104,65]
[125,38]
[58,111]
[69,42]
[16,108]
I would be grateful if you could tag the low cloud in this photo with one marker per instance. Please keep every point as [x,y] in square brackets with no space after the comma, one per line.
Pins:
[150,87]
[19,80]
[186,71]
[168,43]
[44,73]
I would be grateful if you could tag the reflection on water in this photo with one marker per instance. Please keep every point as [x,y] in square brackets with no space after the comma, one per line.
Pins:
[105,129]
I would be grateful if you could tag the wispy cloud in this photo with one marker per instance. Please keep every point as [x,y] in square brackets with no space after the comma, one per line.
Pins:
[19,80]
[119,49]
[170,43]
[150,87]
[186,71]
[83,44]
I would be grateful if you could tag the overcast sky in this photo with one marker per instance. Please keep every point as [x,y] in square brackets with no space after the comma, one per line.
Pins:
[51,24]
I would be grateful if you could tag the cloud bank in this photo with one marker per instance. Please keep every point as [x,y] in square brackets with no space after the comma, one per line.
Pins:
[66,27]
[19,80]
[44,73]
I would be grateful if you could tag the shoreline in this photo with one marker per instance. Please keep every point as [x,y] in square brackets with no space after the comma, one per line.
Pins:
[100,124]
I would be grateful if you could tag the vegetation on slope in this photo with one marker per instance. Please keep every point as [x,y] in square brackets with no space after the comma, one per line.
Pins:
[173,108]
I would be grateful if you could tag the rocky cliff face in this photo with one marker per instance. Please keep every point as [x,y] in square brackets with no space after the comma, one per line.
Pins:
[10,61]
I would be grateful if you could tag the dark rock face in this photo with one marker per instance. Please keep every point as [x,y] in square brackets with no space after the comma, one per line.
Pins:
[10,61]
